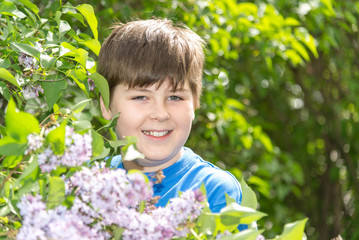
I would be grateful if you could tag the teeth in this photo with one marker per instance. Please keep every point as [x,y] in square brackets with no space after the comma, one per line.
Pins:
[156,134]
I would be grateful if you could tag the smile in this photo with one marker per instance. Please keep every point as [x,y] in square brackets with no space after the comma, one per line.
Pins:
[156,133]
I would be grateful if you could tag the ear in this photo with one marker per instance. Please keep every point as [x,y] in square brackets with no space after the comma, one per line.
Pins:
[106,113]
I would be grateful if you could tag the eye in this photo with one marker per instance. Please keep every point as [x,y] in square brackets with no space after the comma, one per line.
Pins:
[175,98]
[139,98]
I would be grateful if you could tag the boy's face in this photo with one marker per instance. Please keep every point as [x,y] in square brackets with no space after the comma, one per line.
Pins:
[160,119]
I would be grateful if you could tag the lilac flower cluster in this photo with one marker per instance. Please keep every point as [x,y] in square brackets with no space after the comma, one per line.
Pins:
[34,143]
[58,223]
[78,149]
[27,61]
[174,219]
[91,84]
[32,91]
[107,198]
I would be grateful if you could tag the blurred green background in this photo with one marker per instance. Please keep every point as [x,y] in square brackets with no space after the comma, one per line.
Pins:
[280,102]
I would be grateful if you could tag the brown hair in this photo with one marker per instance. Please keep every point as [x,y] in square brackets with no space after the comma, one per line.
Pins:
[146,52]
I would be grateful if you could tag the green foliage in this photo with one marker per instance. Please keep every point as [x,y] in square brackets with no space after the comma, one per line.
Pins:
[279,107]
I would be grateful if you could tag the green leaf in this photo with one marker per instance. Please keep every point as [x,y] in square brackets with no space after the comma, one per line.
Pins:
[130,153]
[94,45]
[206,222]
[249,198]
[8,8]
[52,90]
[87,11]
[82,125]
[329,5]
[301,50]
[29,174]
[97,143]
[80,106]
[28,49]
[79,78]
[4,90]
[78,16]
[118,143]
[291,22]
[248,234]
[5,63]
[80,55]
[56,138]
[30,5]
[47,61]
[56,194]
[66,48]
[261,186]
[12,147]
[102,85]
[293,56]
[293,231]
[112,123]
[247,141]
[234,214]
[64,27]
[6,75]
[20,124]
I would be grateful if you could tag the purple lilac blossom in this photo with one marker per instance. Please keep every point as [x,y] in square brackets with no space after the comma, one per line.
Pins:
[104,198]
[27,61]
[114,197]
[35,142]
[78,149]
[31,91]
[58,223]
[91,84]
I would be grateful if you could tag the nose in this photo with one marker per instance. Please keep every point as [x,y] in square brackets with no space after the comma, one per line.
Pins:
[159,112]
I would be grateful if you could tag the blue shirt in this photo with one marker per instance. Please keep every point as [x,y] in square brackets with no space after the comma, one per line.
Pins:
[189,173]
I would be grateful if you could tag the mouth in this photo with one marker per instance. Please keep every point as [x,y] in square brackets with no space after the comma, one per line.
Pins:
[157,133]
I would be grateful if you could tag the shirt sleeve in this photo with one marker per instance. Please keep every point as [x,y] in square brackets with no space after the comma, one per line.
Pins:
[218,184]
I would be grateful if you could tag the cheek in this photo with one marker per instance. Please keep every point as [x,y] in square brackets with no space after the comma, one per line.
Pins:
[128,122]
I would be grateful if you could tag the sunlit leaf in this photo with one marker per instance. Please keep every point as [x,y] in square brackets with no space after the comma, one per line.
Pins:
[12,147]
[56,138]
[30,5]
[28,49]
[4,91]
[102,85]
[64,27]
[94,45]
[6,75]
[47,61]
[130,153]
[293,231]
[14,119]
[56,194]
[97,143]
[9,8]
[249,198]
[87,11]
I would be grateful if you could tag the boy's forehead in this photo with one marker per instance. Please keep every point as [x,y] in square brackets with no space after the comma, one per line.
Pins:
[169,85]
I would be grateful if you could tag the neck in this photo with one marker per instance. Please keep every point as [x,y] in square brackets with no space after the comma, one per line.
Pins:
[148,165]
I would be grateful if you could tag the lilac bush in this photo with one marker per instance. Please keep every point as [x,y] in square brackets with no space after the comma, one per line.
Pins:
[105,198]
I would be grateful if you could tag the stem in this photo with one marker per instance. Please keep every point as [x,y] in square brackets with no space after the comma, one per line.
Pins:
[195,234]
[56,80]
[9,176]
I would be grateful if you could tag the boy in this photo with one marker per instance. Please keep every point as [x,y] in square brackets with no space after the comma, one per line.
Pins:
[154,70]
